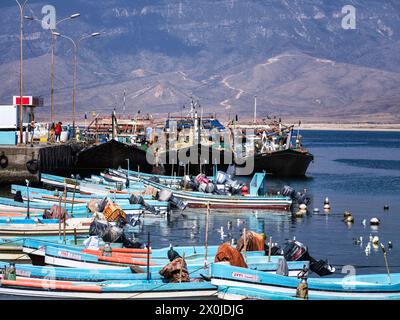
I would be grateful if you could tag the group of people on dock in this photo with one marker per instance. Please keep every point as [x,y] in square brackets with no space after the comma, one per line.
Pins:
[55,132]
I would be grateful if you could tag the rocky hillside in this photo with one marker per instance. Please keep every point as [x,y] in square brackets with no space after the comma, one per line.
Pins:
[293,54]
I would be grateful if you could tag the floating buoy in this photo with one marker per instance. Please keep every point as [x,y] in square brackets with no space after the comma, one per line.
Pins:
[327,204]
[386,207]
[316,210]
[349,219]
[347,214]
[302,207]
[364,222]
[300,213]
[374,222]
[375,240]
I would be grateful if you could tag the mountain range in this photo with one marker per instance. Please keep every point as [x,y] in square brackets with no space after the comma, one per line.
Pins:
[294,55]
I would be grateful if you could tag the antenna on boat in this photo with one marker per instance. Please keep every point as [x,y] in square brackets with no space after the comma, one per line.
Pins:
[148,255]
[386,262]
[206,238]
[27,188]
[124,105]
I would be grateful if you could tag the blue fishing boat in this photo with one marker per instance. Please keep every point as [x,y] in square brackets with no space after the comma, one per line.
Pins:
[74,256]
[88,275]
[373,286]
[125,289]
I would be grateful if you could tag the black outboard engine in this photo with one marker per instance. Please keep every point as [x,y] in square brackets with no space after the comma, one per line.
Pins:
[140,200]
[167,195]
[103,204]
[296,251]
[275,250]
[178,203]
[300,198]
[288,191]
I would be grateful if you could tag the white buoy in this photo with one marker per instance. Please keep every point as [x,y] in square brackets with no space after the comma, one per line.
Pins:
[374,222]
[302,207]
[316,210]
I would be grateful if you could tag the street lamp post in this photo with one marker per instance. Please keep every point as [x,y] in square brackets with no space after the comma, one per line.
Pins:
[21,112]
[53,44]
[75,46]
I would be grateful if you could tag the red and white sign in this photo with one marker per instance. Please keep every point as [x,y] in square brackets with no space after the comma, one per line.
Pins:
[28,101]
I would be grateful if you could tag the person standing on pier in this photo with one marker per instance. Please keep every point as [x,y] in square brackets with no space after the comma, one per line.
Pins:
[52,133]
[31,129]
[58,131]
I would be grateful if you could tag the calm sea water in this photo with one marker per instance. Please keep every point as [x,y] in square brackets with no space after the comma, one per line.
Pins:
[358,171]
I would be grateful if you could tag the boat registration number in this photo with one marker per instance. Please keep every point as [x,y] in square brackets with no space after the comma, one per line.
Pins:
[244,276]
[70,255]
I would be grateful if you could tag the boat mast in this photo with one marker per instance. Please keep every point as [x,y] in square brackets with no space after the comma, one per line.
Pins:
[255,109]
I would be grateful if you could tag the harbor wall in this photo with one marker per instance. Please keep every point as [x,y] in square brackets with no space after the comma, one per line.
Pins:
[18,163]
[14,168]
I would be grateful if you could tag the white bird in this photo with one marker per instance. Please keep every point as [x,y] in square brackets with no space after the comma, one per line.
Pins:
[368,249]
[222,233]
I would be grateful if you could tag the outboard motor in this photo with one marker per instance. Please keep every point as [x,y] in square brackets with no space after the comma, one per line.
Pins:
[178,203]
[102,204]
[231,171]
[140,200]
[210,188]
[221,177]
[300,198]
[288,191]
[296,251]
[164,195]
[167,195]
